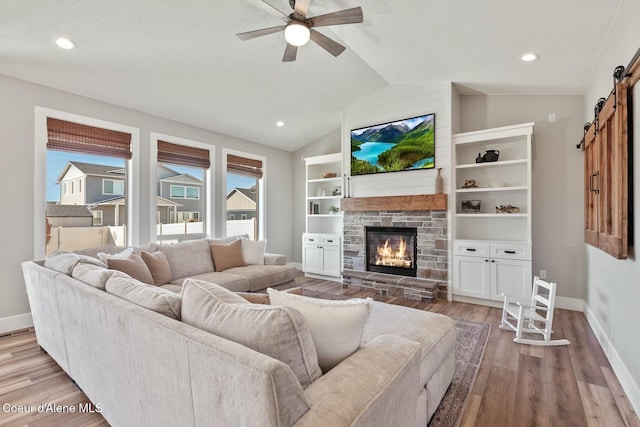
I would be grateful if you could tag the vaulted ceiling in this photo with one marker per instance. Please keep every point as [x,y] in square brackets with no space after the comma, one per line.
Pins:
[181,59]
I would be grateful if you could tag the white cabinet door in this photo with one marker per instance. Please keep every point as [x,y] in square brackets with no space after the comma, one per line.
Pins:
[472,276]
[510,277]
[331,260]
[312,259]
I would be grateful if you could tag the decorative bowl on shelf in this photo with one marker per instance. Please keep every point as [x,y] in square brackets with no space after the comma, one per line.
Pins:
[329,174]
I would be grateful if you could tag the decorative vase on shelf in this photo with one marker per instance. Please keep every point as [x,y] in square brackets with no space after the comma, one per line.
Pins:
[479,159]
[438,183]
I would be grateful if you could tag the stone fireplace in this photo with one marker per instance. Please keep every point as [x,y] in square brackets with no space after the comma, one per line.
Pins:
[427,215]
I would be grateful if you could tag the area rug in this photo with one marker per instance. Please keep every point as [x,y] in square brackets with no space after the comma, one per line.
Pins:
[471,340]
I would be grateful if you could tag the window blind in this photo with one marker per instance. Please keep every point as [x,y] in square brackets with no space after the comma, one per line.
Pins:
[244,166]
[183,155]
[68,136]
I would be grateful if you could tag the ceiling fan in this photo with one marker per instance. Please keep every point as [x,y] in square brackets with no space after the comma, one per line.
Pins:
[299,28]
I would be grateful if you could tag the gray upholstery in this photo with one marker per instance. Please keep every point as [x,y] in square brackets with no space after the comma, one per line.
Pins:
[147,369]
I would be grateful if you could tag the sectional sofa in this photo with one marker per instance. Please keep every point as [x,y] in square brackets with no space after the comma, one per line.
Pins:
[150,355]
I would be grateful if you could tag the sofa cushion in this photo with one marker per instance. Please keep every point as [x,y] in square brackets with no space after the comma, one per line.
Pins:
[188,258]
[227,256]
[66,262]
[437,339]
[133,265]
[150,297]
[233,282]
[158,266]
[277,331]
[176,289]
[264,276]
[253,251]
[336,326]
[91,274]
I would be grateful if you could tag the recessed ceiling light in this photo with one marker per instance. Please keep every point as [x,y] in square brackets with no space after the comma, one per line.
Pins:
[280,124]
[528,57]
[65,43]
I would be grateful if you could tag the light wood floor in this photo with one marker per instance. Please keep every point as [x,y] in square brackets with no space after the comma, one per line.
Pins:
[517,385]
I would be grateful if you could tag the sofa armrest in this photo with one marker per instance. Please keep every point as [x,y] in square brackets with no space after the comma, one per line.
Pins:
[275,259]
[376,385]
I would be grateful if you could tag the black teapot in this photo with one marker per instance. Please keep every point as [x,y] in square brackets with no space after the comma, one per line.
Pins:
[491,156]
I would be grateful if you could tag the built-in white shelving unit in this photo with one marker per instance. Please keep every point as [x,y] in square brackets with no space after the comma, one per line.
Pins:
[322,241]
[491,250]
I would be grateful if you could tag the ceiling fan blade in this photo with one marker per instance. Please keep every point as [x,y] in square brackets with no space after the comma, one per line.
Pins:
[290,53]
[302,7]
[331,46]
[258,33]
[347,16]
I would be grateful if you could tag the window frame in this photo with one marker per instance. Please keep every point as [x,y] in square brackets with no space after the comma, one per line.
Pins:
[132,170]
[184,187]
[114,181]
[262,190]
[94,212]
[208,216]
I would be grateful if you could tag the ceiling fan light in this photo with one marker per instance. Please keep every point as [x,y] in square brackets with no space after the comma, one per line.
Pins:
[297,34]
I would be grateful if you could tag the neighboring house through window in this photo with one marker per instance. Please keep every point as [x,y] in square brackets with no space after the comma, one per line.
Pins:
[80,154]
[183,183]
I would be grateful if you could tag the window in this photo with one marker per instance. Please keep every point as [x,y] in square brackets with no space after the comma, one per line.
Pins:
[184,217]
[112,187]
[97,217]
[245,181]
[182,181]
[76,159]
[183,192]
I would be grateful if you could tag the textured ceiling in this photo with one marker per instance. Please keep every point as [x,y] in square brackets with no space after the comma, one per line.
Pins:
[181,60]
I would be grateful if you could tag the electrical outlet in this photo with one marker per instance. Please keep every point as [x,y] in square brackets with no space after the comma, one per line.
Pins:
[543,274]
[552,118]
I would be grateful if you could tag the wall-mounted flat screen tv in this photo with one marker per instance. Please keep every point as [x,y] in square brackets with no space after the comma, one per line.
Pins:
[402,145]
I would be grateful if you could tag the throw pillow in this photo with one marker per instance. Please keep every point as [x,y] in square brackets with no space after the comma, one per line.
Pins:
[254,298]
[104,256]
[279,332]
[258,298]
[133,265]
[158,265]
[336,326]
[227,256]
[150,297]
[253,251]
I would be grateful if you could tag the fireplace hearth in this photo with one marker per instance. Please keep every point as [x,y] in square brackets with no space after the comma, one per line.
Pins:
[391,250]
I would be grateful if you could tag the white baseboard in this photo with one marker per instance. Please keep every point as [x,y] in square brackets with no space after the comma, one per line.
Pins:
[629,386]
[573,304]
[13,323]
[297,265]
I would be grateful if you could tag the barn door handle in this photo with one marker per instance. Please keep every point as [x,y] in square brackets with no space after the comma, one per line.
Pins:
[595,190]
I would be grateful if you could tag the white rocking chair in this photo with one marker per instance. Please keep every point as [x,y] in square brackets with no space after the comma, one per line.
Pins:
[535,318]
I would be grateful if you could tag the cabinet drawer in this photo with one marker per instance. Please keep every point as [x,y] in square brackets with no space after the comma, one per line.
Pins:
[330,240]
[311,238]
[478,249]
[511,251]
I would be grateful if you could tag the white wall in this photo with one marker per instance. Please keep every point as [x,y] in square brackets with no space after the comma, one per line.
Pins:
[613,286]
[397,102]
[17,163]
[557,197]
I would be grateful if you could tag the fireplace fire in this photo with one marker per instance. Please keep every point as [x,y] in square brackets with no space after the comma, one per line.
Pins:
[391,250]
